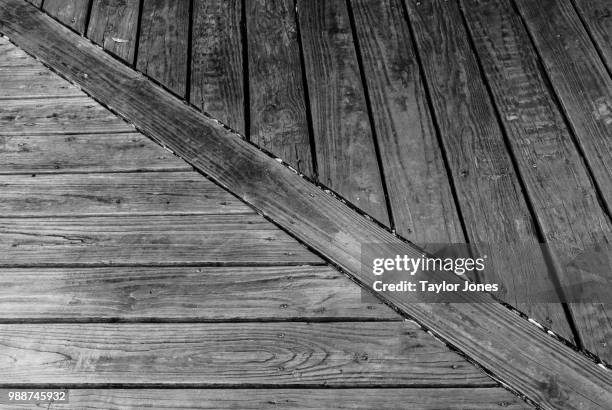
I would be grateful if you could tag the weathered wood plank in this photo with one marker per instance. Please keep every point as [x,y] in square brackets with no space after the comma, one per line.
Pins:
[113,25]
[73,13]
[421,200]
[34,81]
[597,15]
[330,354]
[346,156]
[58,116]
[308,399]
[37,3]
[559,187]
[185,293]
[491,200]
[115,194]
[216,61]
[85,153]
[162,47]
[516,351]
[278,106]
[11,56]
[579,78]
[147,240]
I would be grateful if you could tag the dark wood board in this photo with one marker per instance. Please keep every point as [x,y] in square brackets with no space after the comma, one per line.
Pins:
[516,351]
[306,399]
[139,193]
[220,354]
[278,117]
[85,153]
[147,240]
[185,294]
[34,81]
[346,156]
[113,25]
[579,78]
[65,115]
[421,199]
[597,15]
[217,84]
[584,88]
[72,13]
[559,187]
[162,46]
[491,199]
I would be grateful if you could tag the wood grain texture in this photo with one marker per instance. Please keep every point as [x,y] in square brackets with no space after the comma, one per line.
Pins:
[85,153]
[346,156]
[185,293]
[579,78]
[488,189]
[11,56]
[217,84]
[115,194]
[162,47]
[329,354]
[34,81]
[517,352]
[37,3]
[113,25]
[278,107]
[72,13]
[307,399]
[597,15]
[57,116]
[420,196]
[147,240]
[559,187]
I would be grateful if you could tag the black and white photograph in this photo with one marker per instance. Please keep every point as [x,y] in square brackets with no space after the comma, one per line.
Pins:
[306,204]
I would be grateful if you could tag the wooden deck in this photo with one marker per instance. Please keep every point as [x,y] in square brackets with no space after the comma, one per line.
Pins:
[122,266]
[445,121]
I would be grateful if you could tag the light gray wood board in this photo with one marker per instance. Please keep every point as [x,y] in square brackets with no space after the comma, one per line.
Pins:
[113,25]
[185,293]
[305,399]
[34,81]
[563,196]
[11,56]
[124,152]
[516,351]
[146,240]
[115,194]
[492,202]
[419,192]
[219,354]
[66,115]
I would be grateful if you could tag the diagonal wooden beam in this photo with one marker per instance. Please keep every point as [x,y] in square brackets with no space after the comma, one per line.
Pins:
[513,350]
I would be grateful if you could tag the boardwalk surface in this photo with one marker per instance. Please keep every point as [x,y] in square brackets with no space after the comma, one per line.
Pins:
[97,247]
[446,121]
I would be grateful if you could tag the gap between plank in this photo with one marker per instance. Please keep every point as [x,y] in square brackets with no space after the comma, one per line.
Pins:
[552,272]
[530,383]
[366,94]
